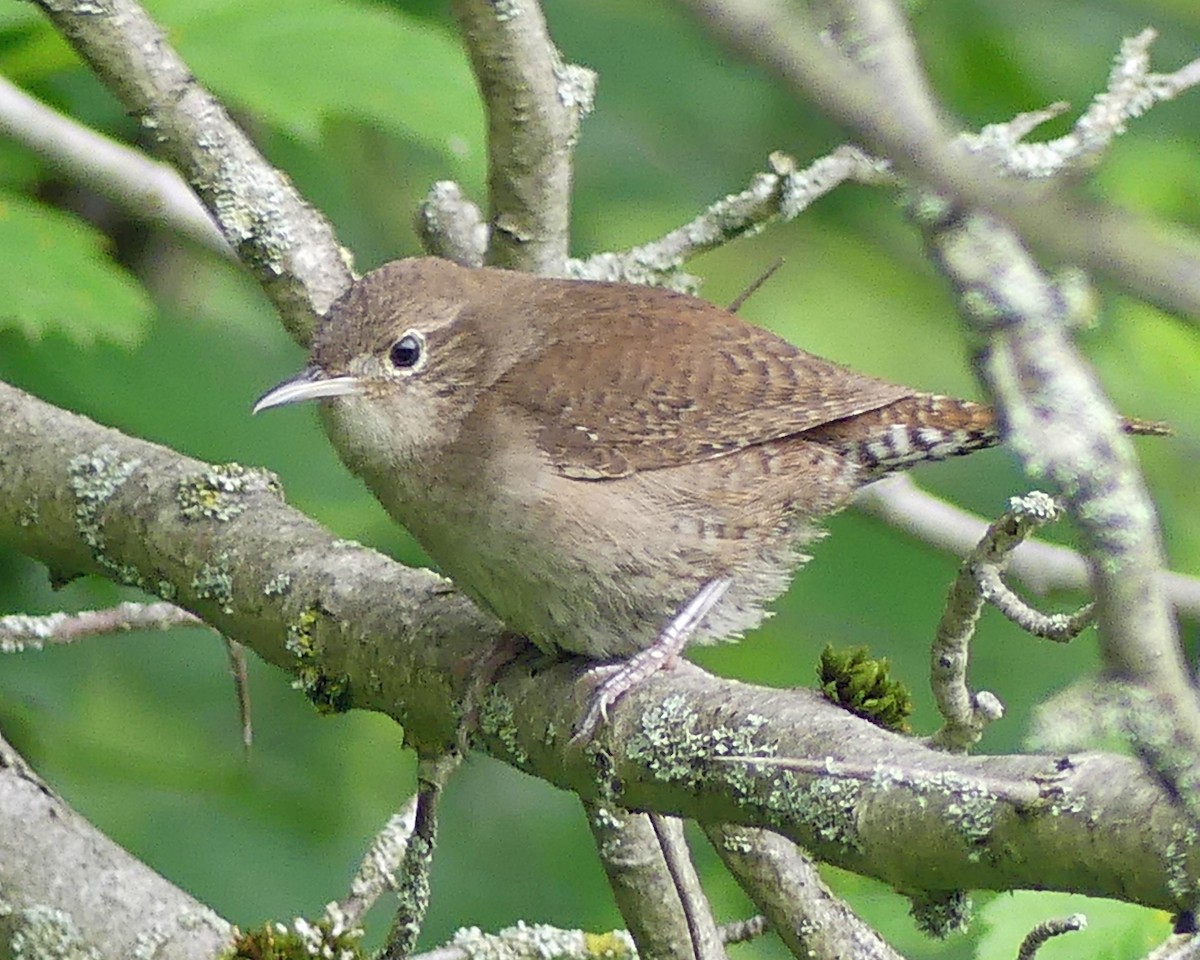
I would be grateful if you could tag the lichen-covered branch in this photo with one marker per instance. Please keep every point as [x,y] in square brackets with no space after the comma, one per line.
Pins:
[801,909]
[780,194]
[632,855]
[979,581]
[119,908]
[782,38]
[289,245]
[359,630]
[534,104]
[1062,427]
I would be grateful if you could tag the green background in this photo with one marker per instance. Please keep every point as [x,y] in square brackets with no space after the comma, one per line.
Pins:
[365,105]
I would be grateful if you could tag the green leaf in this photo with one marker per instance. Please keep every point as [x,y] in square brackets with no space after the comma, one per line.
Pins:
[295,64]
[57,278]
[1114,931]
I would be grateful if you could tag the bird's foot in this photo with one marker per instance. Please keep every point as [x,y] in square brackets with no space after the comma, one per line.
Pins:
[614,680]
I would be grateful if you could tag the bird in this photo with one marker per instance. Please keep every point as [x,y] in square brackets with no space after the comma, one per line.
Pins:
[614,471]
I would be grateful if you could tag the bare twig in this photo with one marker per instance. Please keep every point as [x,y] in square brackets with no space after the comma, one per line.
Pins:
[147,189]
[241,686]
[743,931]
[980,581]
[1132,90]
[1042,567]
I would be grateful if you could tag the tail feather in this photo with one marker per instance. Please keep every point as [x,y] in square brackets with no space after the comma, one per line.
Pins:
[923,427]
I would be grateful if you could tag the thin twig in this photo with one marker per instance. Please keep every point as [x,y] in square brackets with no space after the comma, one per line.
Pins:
[706,944]
[979,581]
[150,190]
[783,38]
[376,873]
[1038,936]
[19,632]
[412,889]
[1042,567]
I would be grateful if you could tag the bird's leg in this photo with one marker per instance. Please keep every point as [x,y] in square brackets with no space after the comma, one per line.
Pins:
[671,640]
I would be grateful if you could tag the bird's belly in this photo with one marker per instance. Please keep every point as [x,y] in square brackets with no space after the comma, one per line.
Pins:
[600,567]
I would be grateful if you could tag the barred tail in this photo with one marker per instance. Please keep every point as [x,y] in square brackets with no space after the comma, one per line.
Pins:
[923,427]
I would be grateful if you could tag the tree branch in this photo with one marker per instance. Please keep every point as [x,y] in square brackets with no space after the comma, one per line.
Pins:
[534,104]
[152,191]
[288,244]
[117,907]
[1102,239]
[359,630]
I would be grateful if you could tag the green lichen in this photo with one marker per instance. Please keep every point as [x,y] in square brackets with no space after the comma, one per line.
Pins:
[614,945]
[971,809]
[942,912]
[497,721]
[673,745]
[827,805]
[278,585]
[95,478]
[329,693]
[214,582]
[215,493]
[300,641]
[1177,856]
[42,931]
[856,682]
[670,743]
[303,940]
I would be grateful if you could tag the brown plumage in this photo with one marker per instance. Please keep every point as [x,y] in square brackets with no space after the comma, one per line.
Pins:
[583,458]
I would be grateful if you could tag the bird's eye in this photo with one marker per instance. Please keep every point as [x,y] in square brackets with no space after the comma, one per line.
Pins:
[407,352]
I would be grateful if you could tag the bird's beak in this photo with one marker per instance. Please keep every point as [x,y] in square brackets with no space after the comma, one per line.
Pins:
[309,384]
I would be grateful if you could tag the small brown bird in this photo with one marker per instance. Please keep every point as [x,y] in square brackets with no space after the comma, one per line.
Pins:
[612,470]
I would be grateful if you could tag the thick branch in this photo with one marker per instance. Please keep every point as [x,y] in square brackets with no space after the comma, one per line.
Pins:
[802,910]
[360,630]
[118,907]
[534,105]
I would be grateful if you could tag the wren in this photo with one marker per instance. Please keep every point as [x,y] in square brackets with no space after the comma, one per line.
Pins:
[612,470]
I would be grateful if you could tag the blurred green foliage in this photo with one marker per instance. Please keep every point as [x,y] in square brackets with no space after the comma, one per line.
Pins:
[365,104]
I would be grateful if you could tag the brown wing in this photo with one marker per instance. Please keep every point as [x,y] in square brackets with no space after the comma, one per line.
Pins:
[656,379]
